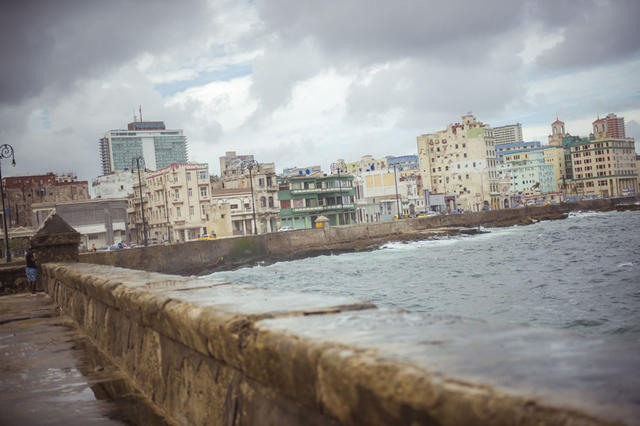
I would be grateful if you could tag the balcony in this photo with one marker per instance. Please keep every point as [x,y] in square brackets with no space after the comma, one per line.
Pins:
[322,208]
[321,190]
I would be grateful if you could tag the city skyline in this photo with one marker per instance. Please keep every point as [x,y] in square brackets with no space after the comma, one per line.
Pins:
[300,85]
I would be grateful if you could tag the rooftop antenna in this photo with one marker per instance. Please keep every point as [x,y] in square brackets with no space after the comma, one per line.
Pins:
[140,113]
[134,116]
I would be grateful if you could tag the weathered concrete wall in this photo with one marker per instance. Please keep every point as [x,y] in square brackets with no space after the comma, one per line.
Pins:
[220,354]
[201,257]
[13,279]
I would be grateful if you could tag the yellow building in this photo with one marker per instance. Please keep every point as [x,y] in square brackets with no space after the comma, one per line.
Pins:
[218,218]
[605,167]
[461,160]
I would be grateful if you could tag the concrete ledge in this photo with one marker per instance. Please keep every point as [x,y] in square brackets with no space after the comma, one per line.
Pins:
[215,353]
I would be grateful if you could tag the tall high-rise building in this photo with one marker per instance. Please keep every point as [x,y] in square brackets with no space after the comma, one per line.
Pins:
[511,133]
[159,146]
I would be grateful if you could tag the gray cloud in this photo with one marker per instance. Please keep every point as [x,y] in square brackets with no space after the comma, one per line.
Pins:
[375,31]
[595,32]
[51,44]
[460,36]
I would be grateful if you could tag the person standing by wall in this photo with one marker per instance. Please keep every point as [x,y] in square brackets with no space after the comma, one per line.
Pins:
[32,272]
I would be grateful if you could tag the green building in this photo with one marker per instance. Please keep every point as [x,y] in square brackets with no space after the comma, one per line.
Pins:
[305,198]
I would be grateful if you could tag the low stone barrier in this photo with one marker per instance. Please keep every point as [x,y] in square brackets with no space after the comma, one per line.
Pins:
[202,257]
[13,279]
[222,354]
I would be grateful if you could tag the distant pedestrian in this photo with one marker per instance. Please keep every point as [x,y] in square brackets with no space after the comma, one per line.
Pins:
[32,272]
[93,248]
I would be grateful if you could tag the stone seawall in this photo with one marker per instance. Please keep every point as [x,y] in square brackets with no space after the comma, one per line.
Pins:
[200,257]
[220,354]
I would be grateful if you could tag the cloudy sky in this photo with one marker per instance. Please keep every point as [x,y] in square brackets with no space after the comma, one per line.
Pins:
[302,82]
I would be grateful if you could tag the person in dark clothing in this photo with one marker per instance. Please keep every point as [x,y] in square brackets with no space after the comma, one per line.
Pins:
[32,272]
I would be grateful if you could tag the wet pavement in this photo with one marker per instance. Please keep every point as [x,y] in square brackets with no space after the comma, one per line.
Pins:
[50,374]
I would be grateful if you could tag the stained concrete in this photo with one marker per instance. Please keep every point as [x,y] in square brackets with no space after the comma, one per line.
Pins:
[50,374]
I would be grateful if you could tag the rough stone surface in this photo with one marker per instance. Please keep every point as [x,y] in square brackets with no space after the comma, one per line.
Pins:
[212,353]
[55,241]
[13,279]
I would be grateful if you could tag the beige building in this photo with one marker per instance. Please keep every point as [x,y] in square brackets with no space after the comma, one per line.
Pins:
[235,189]
[218,221]
[605,167]
[366,163]
[175,203]
[378,188]
[461,160]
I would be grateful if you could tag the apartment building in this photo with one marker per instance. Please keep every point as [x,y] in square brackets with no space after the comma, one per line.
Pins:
[118,184]
[366,163]
[509,134]
[376,193]
[514,148]
[22,191]
[604,167]
[303,199]
[247,191]
[528,174]
[461,160]
[175,201]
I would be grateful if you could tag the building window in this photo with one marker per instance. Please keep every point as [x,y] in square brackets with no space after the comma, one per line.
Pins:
[203,209]
[188,176]
[263,202]
[234,206]
[176,194]
[203,191]
[178,211]
[270,201]
[261,182]
[191,211]
[202,174]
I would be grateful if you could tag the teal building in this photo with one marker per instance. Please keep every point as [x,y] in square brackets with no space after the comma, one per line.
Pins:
[528,174]
[305,198]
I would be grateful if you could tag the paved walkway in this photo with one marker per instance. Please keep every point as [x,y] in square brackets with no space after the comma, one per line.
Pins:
[50,374]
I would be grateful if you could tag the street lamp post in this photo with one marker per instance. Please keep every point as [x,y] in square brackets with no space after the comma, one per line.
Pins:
[395,179]
[337,166]
[144,223]
[166,209]
[6,151]
[250,164]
